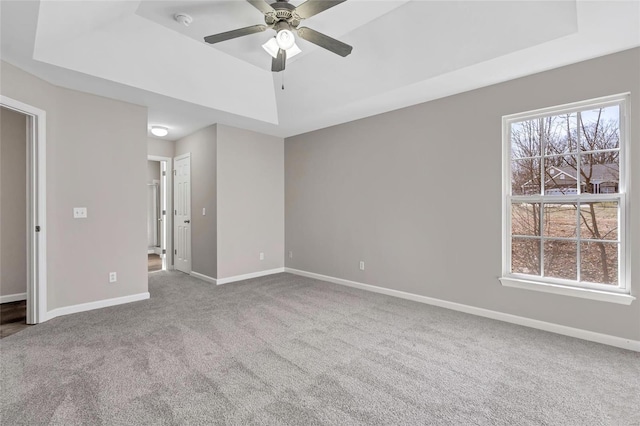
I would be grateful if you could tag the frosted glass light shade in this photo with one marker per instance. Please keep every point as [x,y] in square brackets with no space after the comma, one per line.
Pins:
[159,131]
[293,51]
[273,48]
[285,39]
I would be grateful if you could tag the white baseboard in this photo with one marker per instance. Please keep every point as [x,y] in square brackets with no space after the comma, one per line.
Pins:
[74,309]
[592,336]
[203,277]
[13,297]
[228,280]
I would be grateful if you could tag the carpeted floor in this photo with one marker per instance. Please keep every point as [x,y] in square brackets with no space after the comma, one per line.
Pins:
[290,350]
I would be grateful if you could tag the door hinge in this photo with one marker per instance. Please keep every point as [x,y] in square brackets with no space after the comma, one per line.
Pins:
[37,228]
[175,172]
[175,212]
[164,173]
[164,212]
[175,251]
[164,251]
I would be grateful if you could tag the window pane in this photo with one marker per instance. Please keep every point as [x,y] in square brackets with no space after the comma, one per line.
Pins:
[599,262]
[561,134]
[560,259]
[560,220]
[600,128]
[560,176]
[525,256]
[525,139]
[599,221]
[600,172]
[525,177]
[525,219]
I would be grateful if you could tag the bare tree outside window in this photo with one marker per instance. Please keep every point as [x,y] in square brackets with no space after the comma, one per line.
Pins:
[565,174]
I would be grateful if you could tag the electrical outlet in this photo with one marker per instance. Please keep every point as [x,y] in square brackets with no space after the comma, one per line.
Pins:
[79,212]
[362,265]
[113,277]
[290,255]
[261,256]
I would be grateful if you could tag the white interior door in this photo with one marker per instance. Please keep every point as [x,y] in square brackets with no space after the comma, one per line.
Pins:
[182,213]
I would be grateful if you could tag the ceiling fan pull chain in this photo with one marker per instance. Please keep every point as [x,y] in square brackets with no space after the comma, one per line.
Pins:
[282,79]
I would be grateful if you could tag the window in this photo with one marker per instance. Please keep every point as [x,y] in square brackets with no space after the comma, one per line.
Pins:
[565,229]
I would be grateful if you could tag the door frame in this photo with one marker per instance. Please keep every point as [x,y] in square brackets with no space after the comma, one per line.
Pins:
[36,207]
[167,224]
[175,160]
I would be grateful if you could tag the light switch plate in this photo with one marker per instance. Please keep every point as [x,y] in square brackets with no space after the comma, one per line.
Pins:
[79,212]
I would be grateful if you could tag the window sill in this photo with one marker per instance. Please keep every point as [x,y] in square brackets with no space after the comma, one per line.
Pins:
[584,293]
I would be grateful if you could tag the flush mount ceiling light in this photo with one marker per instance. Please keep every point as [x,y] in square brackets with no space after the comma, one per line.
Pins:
[159,131]
[284,18]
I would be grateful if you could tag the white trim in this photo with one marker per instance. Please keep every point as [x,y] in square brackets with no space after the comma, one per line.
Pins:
[37,208]
[592,336]
[83,307]
[583,293]
[13,297]
[203,277]
[182,156]
[168,223]
[221,281]
[570,107]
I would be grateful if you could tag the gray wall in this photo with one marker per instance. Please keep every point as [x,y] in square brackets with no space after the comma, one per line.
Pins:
[96,158]
[416,194]
[202,146]
[153,171]
[13,202]
[250,201]
[161,147]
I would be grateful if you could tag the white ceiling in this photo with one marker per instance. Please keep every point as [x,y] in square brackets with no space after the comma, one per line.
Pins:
[405,52]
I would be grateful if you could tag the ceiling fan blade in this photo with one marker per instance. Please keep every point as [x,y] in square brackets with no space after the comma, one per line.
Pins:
[217,38]
[312,7]
[331,44]
[262,6]
[278,63]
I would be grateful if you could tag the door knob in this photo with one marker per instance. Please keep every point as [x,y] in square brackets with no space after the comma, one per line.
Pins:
[187,221]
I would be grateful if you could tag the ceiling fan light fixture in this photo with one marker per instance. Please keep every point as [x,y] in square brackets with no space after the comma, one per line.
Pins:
[285,39]
[271,47]
[159,131]
[293,51]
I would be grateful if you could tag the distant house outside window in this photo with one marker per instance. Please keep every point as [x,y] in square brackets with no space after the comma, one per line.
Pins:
[564,196]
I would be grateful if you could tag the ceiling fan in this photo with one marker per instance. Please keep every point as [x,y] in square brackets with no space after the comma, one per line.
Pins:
[284,18]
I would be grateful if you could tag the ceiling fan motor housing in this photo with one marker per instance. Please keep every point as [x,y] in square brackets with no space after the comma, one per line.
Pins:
[283,12]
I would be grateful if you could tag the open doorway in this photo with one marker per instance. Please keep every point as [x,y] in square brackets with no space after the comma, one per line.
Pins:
[22,212]
[158,204]
[13,221]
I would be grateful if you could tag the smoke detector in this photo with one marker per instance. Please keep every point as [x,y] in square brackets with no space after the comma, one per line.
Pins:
[183,18]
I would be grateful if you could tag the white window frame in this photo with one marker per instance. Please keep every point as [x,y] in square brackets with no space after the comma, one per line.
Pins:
[604,292]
